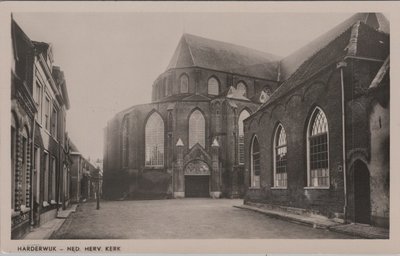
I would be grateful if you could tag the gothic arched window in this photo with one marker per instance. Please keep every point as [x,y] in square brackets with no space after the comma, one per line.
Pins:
[280,158]
[241,89]
[184,88]
[154,140]
[197,129]
[318,145]
[125,142]
[255,163]
[213,86]
[243,115]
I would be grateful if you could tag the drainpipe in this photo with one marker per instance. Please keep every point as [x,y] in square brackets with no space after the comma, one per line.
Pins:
[342,65]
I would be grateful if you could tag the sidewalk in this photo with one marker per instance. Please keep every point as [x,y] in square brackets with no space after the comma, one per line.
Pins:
[46,230]
[361,230]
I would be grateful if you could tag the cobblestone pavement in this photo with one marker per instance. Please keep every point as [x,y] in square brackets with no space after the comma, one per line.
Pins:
[180,218]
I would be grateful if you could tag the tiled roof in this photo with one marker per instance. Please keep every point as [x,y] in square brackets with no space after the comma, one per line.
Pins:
[196,51]
[292,62]
[333,52]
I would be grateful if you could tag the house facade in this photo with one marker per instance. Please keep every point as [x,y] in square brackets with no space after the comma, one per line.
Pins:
[39,155]
[189,141]
[320,144]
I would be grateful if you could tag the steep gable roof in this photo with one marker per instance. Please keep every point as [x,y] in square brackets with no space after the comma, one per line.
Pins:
[292,62]
[354,41]
[196,51]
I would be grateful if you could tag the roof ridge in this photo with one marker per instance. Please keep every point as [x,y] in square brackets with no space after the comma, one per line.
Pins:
[188,46]
[274,56]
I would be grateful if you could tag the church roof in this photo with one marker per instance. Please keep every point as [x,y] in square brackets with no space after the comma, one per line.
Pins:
[196,51]
[293,61]
[356,40]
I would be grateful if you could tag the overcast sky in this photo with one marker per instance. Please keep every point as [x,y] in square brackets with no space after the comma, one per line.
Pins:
[110,60]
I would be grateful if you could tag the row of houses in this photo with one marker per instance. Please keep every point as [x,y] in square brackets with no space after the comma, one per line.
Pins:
[46,175]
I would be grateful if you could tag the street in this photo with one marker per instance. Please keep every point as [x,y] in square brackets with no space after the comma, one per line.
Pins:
[184,218]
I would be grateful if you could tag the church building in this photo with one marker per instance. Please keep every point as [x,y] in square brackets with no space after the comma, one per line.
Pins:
[308,133]
[189,141]
[320,144]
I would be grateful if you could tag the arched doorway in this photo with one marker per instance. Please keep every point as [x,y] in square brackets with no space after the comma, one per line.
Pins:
[197,179]
[361,192]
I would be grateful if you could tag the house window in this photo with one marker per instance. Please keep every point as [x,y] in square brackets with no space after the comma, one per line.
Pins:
[197,128]
[37,173]
[154,137]
[37,94]
[24,180]
[213,86]
[125,142]
[318,157]
[46,177]
[243,115]
[47,113]
[13,158]
[241,89]
[255,163]
[54,118]
[53,179]
[280,158]
[184,84]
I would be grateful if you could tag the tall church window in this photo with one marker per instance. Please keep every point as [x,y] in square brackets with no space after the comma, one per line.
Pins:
[255,163]
[213,86]
[125,142]
[241,89]
[154,141]
[280,158]
[318,157]
[184,84]
[243,115]
[13,158]
[197,128]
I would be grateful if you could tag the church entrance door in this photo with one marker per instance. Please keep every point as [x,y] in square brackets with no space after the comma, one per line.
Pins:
[360,193]
[197,186]
[197,179]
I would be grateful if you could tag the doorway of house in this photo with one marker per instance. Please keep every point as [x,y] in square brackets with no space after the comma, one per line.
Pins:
[197,186]
[362,193]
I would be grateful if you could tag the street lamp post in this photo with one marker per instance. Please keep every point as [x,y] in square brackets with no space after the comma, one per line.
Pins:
[98,189]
